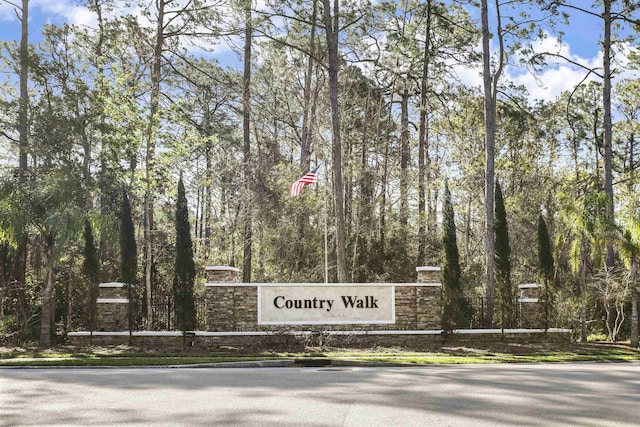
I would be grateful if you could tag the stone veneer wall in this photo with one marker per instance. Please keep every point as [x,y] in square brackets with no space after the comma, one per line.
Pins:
[232,322]
[429,299]
[235,308]
[230,308]
[112,308]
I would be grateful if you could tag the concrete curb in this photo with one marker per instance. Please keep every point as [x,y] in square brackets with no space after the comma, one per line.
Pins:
[285,363]
[296,363]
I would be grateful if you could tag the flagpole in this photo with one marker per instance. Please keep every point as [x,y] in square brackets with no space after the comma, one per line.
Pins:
[326,244]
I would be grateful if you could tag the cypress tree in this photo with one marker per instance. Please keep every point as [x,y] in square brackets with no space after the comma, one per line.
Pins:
[456,308]
[505,295]
[91,269]
[545,263]
[545,255]
[184,271]
[128,255]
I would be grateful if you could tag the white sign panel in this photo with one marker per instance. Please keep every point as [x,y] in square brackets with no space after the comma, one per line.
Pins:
[325,304]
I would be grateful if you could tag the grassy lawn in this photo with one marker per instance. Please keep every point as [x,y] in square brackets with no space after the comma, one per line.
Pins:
[124,356]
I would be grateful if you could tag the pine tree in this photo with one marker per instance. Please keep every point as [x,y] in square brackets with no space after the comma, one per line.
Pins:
[456,308]
[504,292]
[545,264]
[184,271]
[128,255]
[91,269]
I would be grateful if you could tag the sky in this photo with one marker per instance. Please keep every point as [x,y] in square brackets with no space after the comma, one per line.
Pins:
[580,43]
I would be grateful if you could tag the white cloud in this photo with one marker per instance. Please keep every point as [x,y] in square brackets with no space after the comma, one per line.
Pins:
[468,75]
[8,11]
[552,82]
[560,75]
[557,76]
[69,10]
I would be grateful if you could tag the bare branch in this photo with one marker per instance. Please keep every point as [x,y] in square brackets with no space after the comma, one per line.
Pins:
[577,64]
[570,6]
[287,44]
[6,135]
[11,3]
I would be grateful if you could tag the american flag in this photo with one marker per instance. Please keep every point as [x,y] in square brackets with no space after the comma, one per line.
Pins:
[310,178]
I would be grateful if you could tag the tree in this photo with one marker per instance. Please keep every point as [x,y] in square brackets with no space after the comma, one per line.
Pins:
[246,147]
[630,251]
[332,27]
[611,19]
[24,91]
[423,140]
[308,104]
[613,290]
[171,21]
[504,290]
[91,270]
[156,74]
[545,264]
[456,310]
[23,126]
[184,269]
[590,229]
[128,255]
[51,204]
[490,90]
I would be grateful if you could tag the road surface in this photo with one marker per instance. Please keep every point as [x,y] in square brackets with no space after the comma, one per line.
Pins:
[594,394]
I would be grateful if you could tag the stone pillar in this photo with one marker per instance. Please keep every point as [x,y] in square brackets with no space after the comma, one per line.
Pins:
[530,303]
[220,298]
[428,298]
[428,274]
[221,274]
[112,308]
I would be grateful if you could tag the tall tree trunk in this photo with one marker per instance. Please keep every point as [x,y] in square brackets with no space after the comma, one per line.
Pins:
[23,240]
[404,156]
[105,189]
[207,197]
[608,139]
[246,150]
[150,161]
[348,186]
[490,133]
[197,236]
[634,302]
[306,137]
[47,296]
[583,290]
[362,213]
[24,94]
[423,143]
[332,28]
[305,142]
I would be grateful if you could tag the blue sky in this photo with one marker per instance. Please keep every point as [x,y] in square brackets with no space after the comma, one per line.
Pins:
[580,43]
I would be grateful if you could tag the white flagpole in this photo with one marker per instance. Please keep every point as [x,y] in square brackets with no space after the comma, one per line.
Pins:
[326,244]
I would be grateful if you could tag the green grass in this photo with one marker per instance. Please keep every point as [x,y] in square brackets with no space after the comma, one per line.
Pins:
[93,359]
[127,357]
[498,358]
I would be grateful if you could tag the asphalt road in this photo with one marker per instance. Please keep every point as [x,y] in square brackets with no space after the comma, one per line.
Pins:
[594,394]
